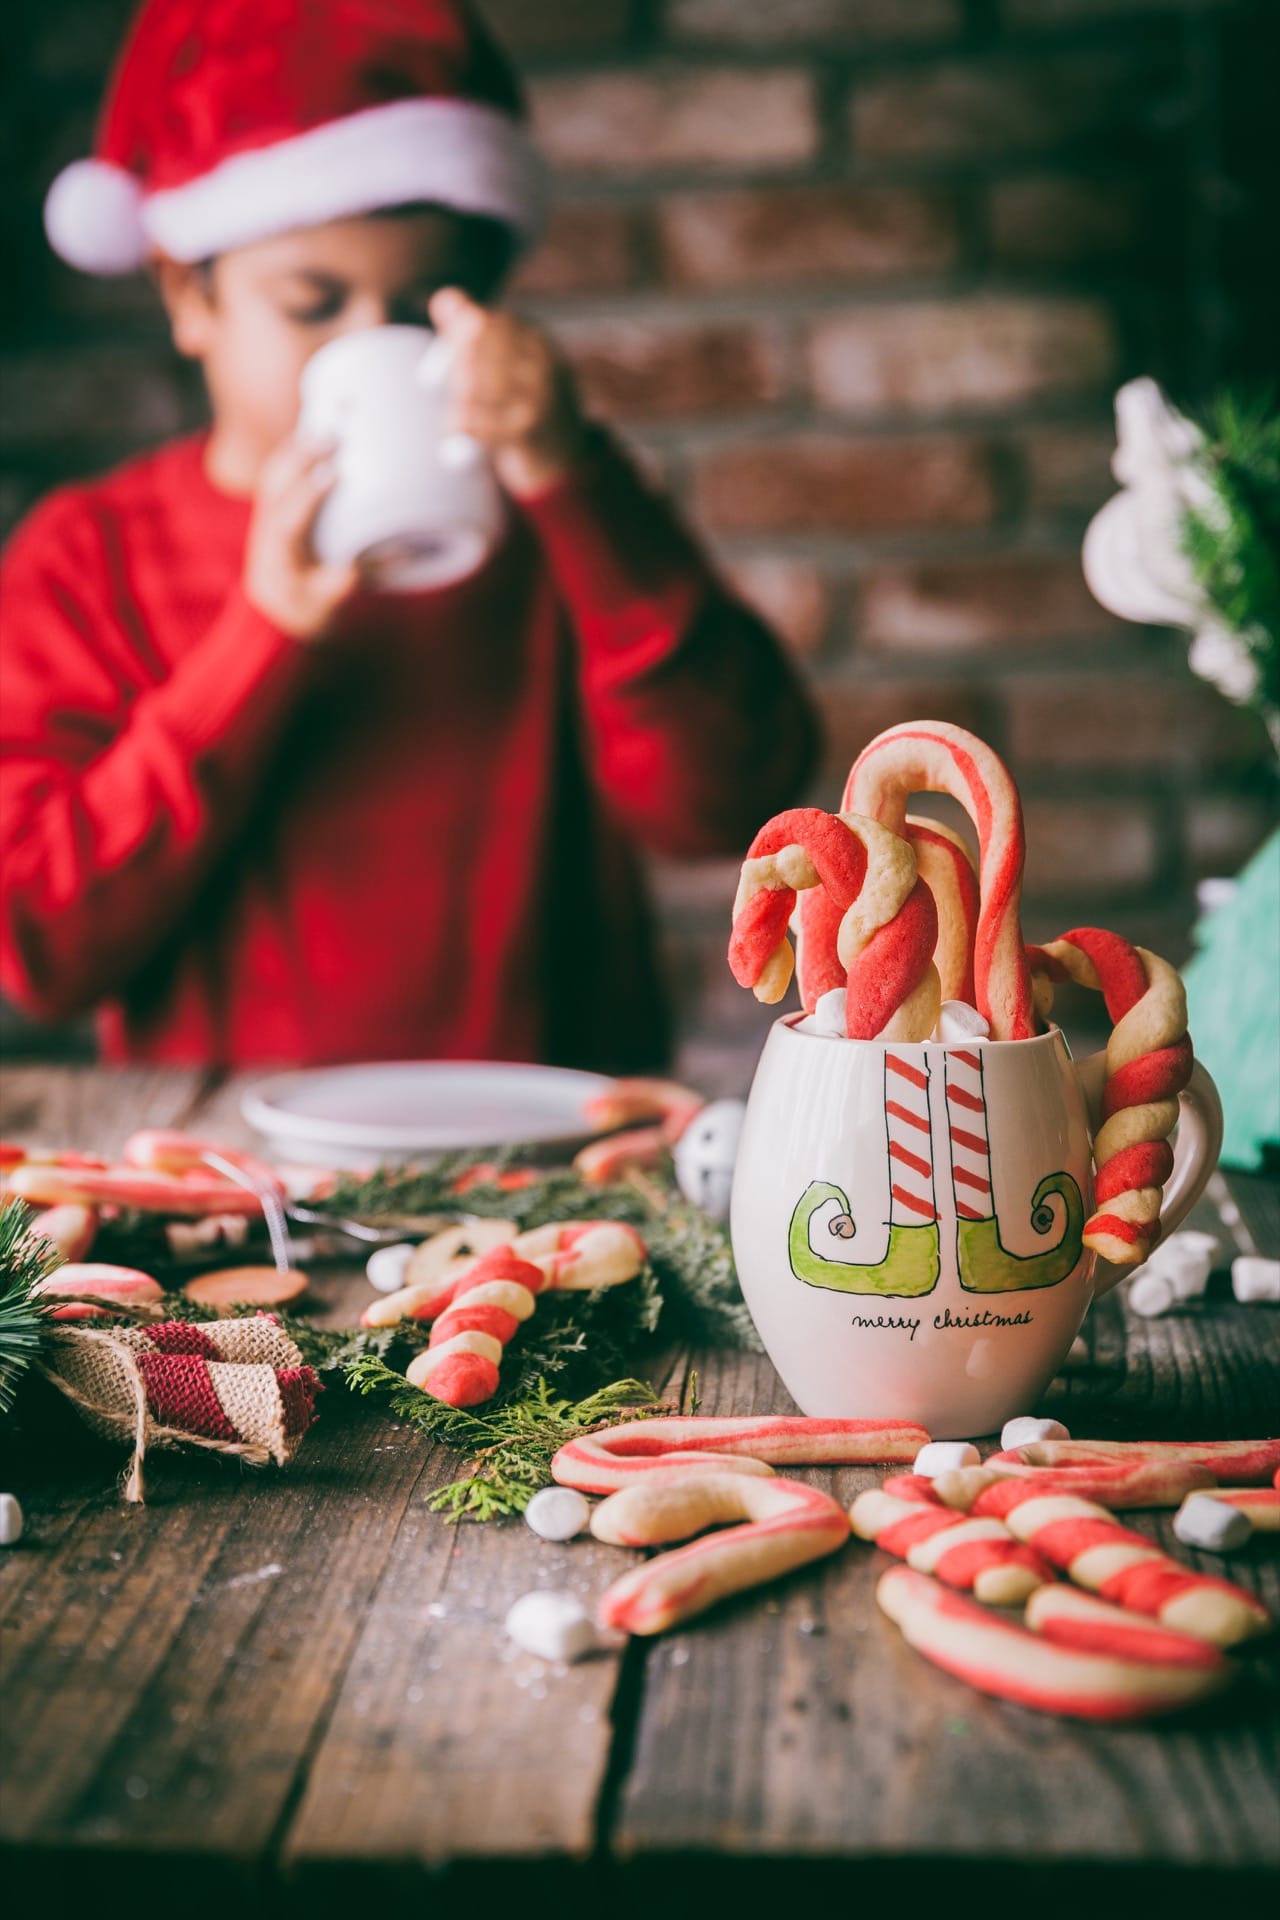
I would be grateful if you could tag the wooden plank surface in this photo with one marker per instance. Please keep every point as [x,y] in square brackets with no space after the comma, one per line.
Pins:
[802,1723]
[301,1679]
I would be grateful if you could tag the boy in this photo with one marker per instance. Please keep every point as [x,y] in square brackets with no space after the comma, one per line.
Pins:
[252,810]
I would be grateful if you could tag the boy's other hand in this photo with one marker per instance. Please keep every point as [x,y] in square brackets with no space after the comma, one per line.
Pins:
[509,389]
[282,577]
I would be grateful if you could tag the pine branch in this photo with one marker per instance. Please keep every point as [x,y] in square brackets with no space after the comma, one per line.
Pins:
[1233,541]
[691,1268]
[26,1258]
[512,1444]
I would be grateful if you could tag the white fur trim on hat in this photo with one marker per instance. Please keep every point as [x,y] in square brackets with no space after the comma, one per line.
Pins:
[454,153]
[93,217]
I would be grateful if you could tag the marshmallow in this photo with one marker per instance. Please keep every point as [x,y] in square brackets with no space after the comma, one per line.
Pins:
[958,1021]
[1186,1260]
[1022,1431]
[1151,1293]
[557,1513]
[1253,1278]
[1202,1521]
[940,1455]
[552,1626]
[1186,1242]
[386,1266]
[1187,1273]
[832,1013]
[10,1520]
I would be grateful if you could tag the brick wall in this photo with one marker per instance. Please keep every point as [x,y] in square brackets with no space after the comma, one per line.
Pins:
[858,279]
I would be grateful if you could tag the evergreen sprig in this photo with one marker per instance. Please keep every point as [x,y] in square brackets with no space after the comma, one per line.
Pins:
[689,1292]
[26,1258]
[1233,541]
[513,1443]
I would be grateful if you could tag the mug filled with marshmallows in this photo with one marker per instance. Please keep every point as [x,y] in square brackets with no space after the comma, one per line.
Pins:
[929,1192]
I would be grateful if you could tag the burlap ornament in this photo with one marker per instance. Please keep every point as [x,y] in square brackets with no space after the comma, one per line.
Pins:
[230,1386]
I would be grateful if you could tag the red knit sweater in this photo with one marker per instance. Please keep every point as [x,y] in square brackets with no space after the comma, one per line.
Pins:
[416,839]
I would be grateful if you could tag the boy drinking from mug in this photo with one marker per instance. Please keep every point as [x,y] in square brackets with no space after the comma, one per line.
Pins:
[252,810]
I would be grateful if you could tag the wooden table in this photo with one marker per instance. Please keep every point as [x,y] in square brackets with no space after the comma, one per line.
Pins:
[290,1692]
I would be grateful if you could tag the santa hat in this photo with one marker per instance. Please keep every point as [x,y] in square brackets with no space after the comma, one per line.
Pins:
[227,121]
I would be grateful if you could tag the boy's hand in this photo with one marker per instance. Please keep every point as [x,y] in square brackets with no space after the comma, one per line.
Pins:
[509,389]
[282,577]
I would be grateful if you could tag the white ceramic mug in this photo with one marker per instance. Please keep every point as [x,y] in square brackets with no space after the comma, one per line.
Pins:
[417,506]
[906,1220]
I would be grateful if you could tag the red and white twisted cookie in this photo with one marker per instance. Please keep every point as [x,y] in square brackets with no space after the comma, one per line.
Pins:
[1149,1061]
[485,1308]
[666,1108]
[1123,1680]
[888,923]
[481,1307]
[1095,1551]
[1251,1462]
[979,1555]
[86,1281]
[943,863]
[787,1525]
[1070,1618]
[700,1443]
[1116,1486]
[931,756]
[574,1256]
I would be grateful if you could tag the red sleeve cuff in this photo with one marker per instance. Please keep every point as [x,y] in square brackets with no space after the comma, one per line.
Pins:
[614,546]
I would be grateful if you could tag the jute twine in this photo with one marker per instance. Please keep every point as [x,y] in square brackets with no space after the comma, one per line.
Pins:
[98,1370]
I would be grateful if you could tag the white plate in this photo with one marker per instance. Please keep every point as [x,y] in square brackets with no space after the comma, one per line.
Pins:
[346,1116]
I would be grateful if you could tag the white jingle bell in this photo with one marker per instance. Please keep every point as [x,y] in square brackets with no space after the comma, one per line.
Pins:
[11,1522]
[705,1153]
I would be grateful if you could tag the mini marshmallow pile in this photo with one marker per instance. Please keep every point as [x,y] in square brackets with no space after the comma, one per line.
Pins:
[957,1020]
[1179,1270]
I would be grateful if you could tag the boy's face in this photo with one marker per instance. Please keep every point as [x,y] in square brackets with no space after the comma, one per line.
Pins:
[255,315]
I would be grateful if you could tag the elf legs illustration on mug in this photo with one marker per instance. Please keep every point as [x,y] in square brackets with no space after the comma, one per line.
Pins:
[824,1241]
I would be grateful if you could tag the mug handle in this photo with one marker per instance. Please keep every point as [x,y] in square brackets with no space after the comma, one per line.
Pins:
[457,451]
[1195,1155]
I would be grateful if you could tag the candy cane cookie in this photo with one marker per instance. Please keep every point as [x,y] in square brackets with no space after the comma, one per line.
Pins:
[485,1308]
[1004,1659]
[887,930]
[944,864]
[787,1525]
[667,1107]
[1073,1619]
[754,1444]
[1089,1545]
[1251,1462]
[1149,1061]
[931,756]
[980,1556]
[575,1256]
[1117,1486]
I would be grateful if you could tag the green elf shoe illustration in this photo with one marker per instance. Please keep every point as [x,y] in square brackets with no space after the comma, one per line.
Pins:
[912,1261]
[986,1265]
